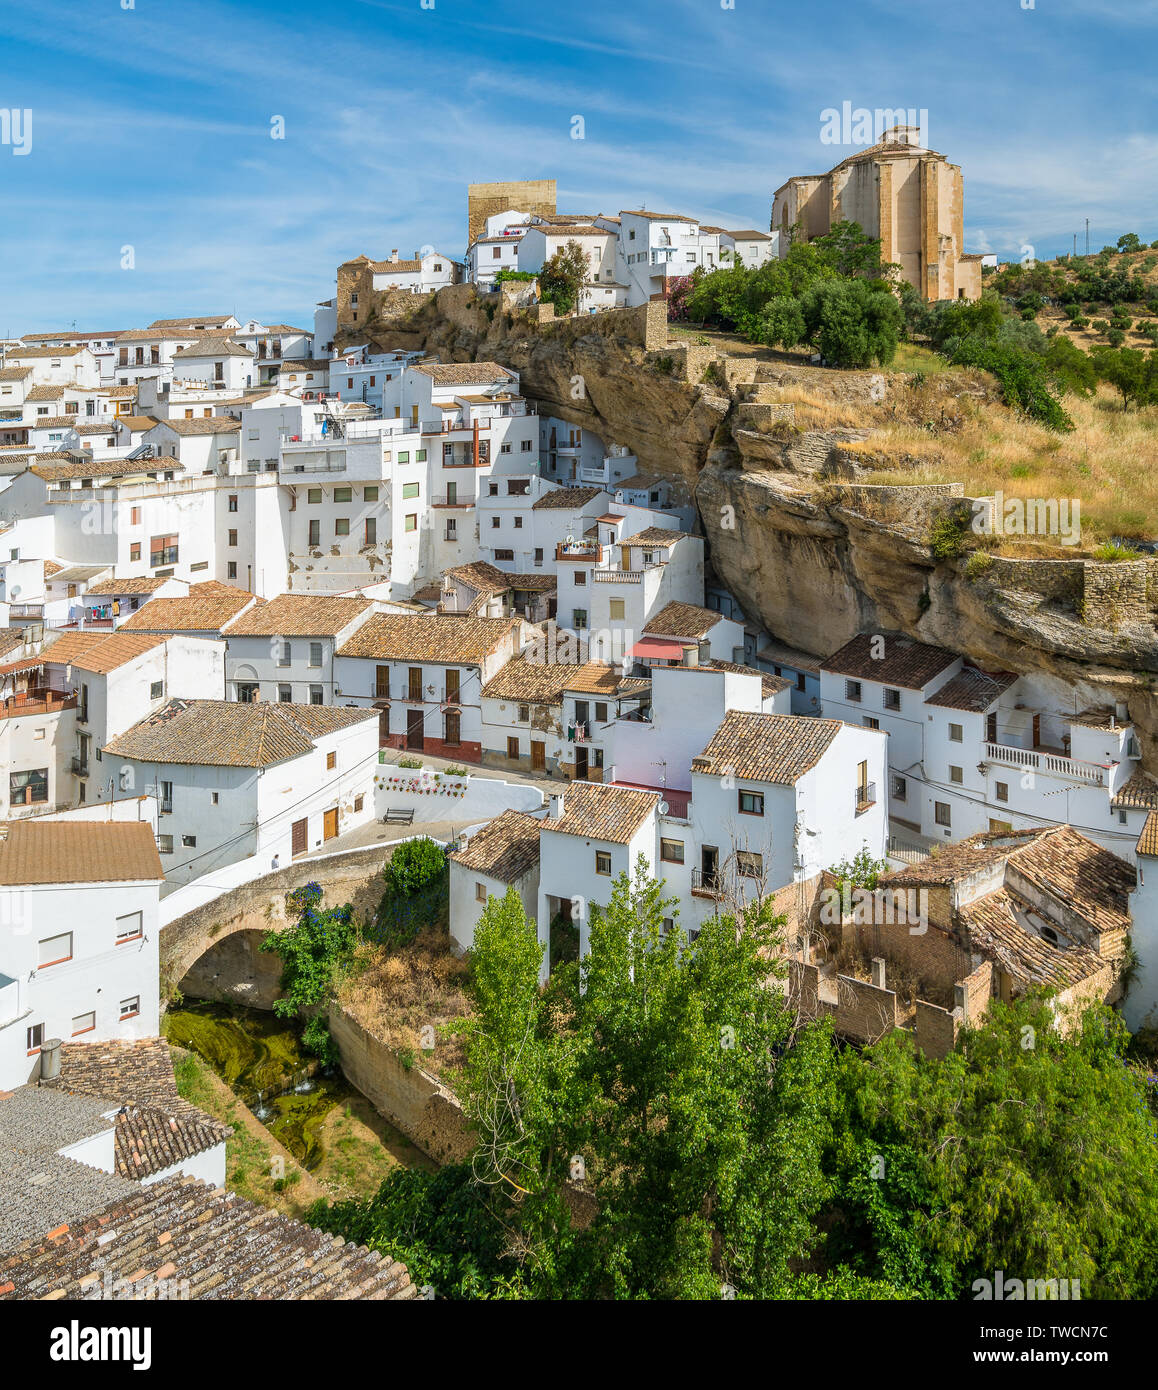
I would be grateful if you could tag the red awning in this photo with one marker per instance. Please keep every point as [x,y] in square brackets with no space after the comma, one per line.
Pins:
[657,649]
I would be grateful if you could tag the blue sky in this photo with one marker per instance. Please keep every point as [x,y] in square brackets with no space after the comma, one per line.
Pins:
[151,128]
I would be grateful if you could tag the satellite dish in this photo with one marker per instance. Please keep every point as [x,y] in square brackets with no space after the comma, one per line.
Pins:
[663,808]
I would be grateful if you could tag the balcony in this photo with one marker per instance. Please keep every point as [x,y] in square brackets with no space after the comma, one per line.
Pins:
[37,702]
[618,576]
[78,767]
[583,551]
[866,797]
[569,451]
[444,499]
[706,884]
[1051,764]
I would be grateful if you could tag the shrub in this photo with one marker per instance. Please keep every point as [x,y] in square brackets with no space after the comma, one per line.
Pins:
[410,762]
[413,865]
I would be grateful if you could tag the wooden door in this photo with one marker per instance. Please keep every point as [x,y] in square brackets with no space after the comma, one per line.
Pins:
[1037,730]
[538,756]
[299,833]
[330,824]
[414,721]
[513,748]
[453,727]
[581,763]
[991,727]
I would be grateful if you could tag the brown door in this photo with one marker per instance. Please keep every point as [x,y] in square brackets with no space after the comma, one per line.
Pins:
[453,729]
[414,729]
[330,824]
[414,688]
[581,762]
[300,836]
[1037,730]
[513,748]
[538,755]
[452,687]
[991,727]
[383,725]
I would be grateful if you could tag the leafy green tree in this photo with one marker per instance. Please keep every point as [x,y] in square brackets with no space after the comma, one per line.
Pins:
[413,865]
[852,323]
[781,322]
[1131,372]
[850,251]
[1130,241]
[417,880]
[562,278]
[313,950]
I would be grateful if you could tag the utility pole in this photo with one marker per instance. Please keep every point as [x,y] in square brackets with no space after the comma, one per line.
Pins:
[1075,246]
[1087,236]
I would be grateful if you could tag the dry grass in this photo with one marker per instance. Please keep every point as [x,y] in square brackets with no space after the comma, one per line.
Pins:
[397,994]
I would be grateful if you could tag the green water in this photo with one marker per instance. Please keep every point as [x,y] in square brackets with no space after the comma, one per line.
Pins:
[253,1051]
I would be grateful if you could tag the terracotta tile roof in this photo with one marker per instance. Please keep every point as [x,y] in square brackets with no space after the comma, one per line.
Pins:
[68,646]
[1148,840]
[43,851]
[748,235]
[947,863]
[300,615]
[116,651]
[447,637]
[229,733]
[15,374]
[207,424]
[464,373]
[180,1233]
[213,346]
[999,927]
[141,584]
[655,216]
[395,267]
[481,576]
[207,613]
[105,468]
[505,849]
[905,663]
[972,690]
[45,393]
[685,620]
[533,682]
[135,424]
[1138,792]
[198,321]
[565,497]
[1088,879]
[20,353]
[769,684]
[602,811]
[653,535]
[778,748]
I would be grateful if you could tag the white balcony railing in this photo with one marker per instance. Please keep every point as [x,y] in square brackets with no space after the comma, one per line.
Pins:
[1052,764]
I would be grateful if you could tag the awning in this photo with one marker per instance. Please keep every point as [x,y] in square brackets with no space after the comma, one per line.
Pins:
[657,649]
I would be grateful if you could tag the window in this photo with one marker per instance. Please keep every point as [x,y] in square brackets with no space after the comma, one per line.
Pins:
[852,691]
[749,865]
[285,694]
[28,788]
[496,522]
[603,862]
[420,456]
[315,653]
[84,1023]
[411,522]
[134,550]
[130,928]
[492,489]
[955,733]
[404,456]
[941,813]
[233,501]
[480,892]
[504,555]
[525,445]
[750,803]
[343,494]
[579,617]
[524,714]
[409,490]
[504,448]
[189,841]
[518,523]
[900,788]
[370,494]
[315,694]
[135,516]
[231,569]
[671,851]
[1001,791]
[156,690]
[342,526]
[331,761]
[285,656]
[233,538]
[892,698]
[315,535]
[314,494]
[163,550]
[55,950]
[580,579]
[616,609]
[871,723]
[956,774]
[130,1007]
[601,712]
[35,1038]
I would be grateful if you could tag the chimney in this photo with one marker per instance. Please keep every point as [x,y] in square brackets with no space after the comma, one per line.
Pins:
[1122,710]
[878,964]
[555,803]
[50,1060]
[394,254]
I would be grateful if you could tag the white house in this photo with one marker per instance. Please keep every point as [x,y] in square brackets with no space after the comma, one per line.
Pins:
[686,634]
[285,650]
[503,854]
[429,270]
[217,361]
[749,248]
[239,779]
[423,676]
[79,937]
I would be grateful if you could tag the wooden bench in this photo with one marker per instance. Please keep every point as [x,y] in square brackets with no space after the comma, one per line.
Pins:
[397,815]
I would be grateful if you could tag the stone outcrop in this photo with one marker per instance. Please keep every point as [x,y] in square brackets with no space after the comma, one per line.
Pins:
[812,555]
